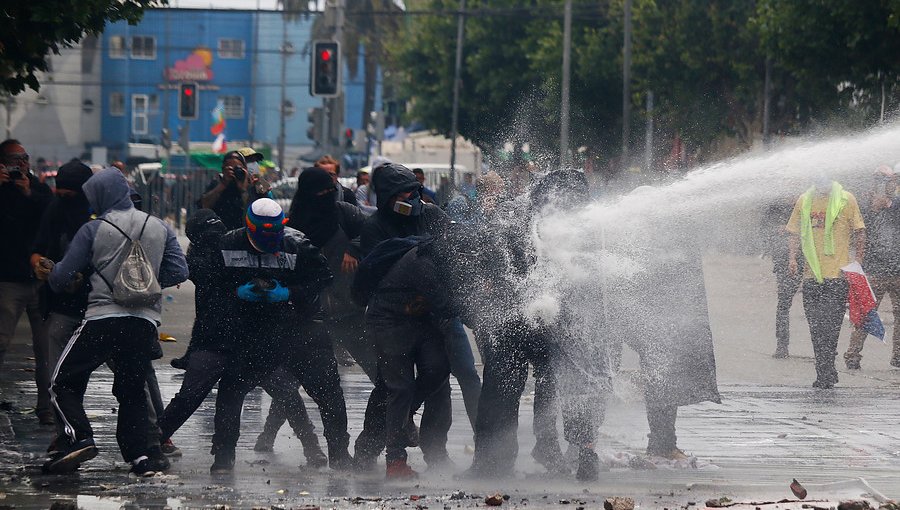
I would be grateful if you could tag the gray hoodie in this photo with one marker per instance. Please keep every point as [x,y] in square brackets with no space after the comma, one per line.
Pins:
[100,246]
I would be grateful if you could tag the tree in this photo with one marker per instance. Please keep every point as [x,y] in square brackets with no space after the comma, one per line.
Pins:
[32,30]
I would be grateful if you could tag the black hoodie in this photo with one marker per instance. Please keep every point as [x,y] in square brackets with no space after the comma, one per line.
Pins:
[387,181]
[20,218]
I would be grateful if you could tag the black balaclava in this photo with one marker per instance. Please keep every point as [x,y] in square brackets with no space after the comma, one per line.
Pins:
[74,211]
[311,213]
[203,226]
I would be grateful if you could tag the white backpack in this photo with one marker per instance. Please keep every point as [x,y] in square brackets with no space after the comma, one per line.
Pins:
[135,284]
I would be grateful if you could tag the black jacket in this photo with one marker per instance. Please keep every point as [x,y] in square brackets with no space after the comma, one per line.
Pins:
[882,256]
[337,301]
[58,228]
[20,218]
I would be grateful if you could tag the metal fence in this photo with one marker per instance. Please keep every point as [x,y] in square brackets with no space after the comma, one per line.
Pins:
[172,196]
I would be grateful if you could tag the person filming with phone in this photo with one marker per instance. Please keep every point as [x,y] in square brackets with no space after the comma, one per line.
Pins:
[233,190]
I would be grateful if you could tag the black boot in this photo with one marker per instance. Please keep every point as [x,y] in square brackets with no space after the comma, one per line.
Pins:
[588,465]
[224,462]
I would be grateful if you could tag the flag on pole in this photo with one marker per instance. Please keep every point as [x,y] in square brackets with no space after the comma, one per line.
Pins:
[219,146]
[862,304]
[218,116]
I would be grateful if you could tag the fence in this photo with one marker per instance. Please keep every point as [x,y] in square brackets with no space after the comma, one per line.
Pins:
[172,196]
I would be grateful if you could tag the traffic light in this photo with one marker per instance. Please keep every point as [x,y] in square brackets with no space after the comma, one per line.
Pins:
[314,131]
[348,138]
[188,100]
[325,77]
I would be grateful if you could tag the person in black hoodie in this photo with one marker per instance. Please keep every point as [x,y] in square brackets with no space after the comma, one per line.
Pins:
[23,199]
[212,352]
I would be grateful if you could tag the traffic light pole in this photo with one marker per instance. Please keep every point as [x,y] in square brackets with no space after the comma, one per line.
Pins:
[566,72]
[457,78]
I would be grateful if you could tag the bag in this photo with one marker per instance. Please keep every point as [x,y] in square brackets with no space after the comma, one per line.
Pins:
[135,284]
[373,268]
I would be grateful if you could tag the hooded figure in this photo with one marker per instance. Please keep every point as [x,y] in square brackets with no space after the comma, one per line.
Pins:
[401,212]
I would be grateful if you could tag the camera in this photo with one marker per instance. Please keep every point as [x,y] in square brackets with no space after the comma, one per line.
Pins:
[239,173]
[15,173]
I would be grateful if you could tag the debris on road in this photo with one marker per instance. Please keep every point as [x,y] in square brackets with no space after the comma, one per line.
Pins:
[859,504]
[618,503]
[718,503]
[495,500]
[798,489]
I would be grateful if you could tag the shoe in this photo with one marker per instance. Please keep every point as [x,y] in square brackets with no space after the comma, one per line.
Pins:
[781,353]
[46,418]
[224,462]
[157,460]
[169,448]
[341,461]
[588,466]
[315,458]
[179,363]
[265,443]
[54,447]
[364,463]
[675,454]
[399,470]
[442,464]
[70,457]
[142,468]
[550,456]
[823,385]
[895,362]
[852,364]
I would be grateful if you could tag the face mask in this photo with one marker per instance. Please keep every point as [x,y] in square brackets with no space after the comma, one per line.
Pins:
[253,168]
[267,241]
[412,206]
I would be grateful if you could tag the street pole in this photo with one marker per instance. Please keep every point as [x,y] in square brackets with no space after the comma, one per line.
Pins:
[281,131]
[566,71]
[767,101]
[457,78]
[626,84]
[648,135]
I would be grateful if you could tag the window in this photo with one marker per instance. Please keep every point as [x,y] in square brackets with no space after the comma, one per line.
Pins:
[231,48]
[154,104]
[116,46]
[139,114]
[234,106]
[117,104]
[143,47]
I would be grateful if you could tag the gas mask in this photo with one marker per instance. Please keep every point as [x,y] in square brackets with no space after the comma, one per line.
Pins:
[411,206]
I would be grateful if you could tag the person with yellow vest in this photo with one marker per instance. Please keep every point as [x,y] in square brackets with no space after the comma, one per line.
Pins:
[822,224]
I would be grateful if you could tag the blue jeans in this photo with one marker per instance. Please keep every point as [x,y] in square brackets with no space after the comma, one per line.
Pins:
[462,366]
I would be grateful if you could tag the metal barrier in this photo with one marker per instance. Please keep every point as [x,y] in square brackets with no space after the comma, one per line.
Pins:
[173,196]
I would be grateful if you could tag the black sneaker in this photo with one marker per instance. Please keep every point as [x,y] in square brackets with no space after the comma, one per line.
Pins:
[549,455]
[157,460]
[224,462]
[266,443]
[179,363]
[588,466]
[143,468]
[364,463]
[69,457]
[169,448]
[315,457]
[341,461]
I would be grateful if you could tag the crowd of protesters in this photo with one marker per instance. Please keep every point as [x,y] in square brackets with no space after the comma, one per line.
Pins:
[386,277]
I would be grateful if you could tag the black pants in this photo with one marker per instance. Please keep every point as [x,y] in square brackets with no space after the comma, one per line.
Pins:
[311,361]
[825,304]
[424,369]
[661,418]
[127,341]
[787,288]
[287,404]
[514,346]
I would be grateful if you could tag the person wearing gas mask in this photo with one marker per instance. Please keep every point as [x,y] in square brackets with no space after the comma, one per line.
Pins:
[234,189]
[825,220]
[23,199]
[882,258]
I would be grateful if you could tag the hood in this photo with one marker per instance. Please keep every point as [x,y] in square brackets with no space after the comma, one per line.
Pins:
[559,186]
[203,224]
[390,179]
[73,175]
[107,190]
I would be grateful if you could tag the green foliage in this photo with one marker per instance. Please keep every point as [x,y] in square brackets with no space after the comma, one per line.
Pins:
[33,29]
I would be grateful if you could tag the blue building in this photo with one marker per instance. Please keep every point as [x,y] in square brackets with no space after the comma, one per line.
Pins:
[234,56]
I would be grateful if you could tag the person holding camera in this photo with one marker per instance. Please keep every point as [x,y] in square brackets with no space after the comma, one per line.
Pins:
[232,191]
[23,199]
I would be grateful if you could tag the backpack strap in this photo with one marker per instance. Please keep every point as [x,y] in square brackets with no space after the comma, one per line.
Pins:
[119,229]
[143,227]
[100,273]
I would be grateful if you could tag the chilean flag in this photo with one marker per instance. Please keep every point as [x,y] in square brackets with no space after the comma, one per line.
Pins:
[862,303]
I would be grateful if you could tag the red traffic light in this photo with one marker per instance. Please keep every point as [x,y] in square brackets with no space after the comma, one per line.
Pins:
[325,55]
[188,91]
[348,133]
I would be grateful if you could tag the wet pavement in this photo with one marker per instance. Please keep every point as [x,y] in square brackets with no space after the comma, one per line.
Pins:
[771,427]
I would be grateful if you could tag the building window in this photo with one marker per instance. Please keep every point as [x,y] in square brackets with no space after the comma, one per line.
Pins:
[139,114]
[143,47]
[231,48]
[234,106]
[116,46]
[117,104]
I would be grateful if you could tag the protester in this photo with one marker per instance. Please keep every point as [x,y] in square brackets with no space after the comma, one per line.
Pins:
[775,242]
[428,195]
[120,321]
[882,259]
[231,192]
[824,221]
[23,199]
[331,165]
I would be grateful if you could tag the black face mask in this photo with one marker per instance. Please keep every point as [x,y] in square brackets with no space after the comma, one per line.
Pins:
[75,203]
[316,216]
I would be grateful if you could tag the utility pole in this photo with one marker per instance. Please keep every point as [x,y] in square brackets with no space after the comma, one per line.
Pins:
[626,84]
[457,78]
[767,101]
[284,50]
[566,71]
[334,12]
[648,135]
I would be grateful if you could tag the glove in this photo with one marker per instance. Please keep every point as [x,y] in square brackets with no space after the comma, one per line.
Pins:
[248,292]
[277,294]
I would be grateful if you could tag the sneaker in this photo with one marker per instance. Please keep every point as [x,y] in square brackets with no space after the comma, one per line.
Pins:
[675,454]
[224,462]
[46,418]
[364,463]
[399,470]
[70,457]
[265,443]
[852,363]
[822,385]
[157,461]
[781,353]
[550,456]
[588,466]
[169,448]
[341,461]
[179,363]
[315,458]
[142,468]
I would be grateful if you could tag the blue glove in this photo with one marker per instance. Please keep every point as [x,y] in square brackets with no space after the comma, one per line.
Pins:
[278,294]
[247,292]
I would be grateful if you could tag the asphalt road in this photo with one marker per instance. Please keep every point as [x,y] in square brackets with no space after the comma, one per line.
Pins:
[771,427]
